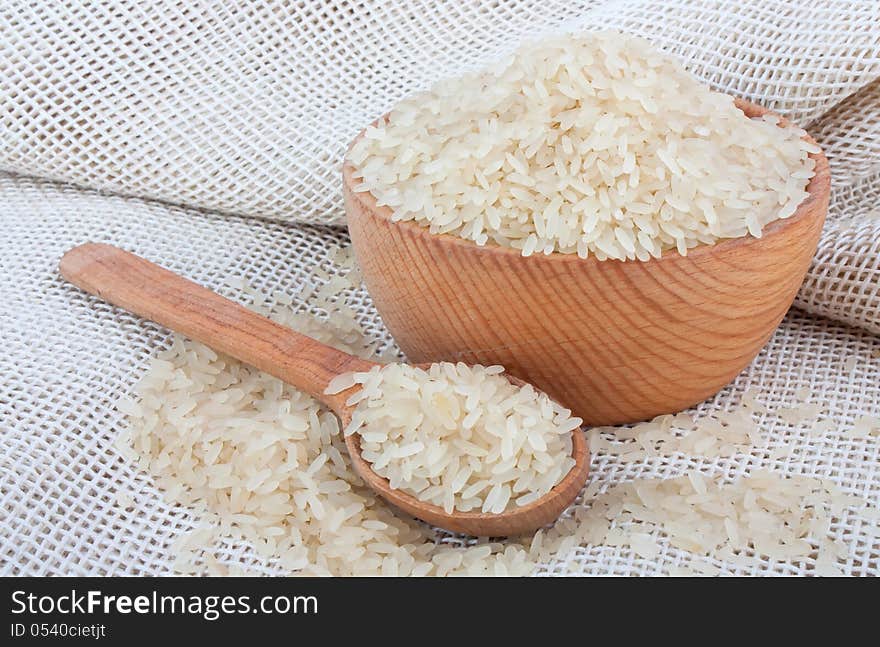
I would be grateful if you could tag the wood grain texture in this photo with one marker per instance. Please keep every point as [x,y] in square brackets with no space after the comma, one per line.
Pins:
[615,341]
[141,287]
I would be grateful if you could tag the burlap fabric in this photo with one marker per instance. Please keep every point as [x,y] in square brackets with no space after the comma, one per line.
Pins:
[239,114]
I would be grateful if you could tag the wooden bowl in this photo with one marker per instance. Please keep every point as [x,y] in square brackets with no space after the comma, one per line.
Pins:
[616,341]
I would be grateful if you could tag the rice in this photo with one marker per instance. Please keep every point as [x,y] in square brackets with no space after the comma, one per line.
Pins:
[262,464]
[716,435]
[865,426]
[460,437]
[764,515]
[583,144]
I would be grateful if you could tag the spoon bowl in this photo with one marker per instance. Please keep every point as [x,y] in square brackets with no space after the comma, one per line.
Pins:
[515,521]
[615,341]
[141,287]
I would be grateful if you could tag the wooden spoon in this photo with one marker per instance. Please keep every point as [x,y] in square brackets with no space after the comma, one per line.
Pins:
[154,293]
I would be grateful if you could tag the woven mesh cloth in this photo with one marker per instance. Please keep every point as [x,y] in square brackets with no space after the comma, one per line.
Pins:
[239,114]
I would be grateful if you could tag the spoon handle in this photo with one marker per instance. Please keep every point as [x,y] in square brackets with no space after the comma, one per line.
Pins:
[152,292]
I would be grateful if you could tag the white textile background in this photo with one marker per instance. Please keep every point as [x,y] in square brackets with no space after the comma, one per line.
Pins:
[239,113]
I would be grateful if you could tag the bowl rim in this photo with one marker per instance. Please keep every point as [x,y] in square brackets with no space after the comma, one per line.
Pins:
[818,190]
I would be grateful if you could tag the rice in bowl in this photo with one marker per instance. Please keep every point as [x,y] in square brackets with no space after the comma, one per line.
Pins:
[584,144]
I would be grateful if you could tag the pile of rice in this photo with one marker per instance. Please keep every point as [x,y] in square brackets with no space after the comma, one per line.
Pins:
[592,144]
[763,516]
[718,435]
[263,464]
[460,437]
[722,434]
